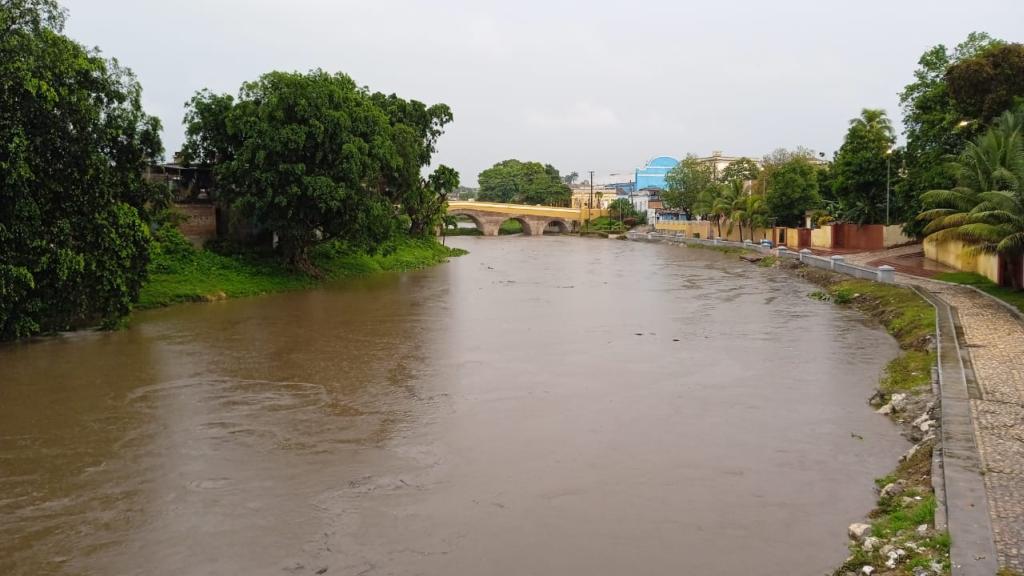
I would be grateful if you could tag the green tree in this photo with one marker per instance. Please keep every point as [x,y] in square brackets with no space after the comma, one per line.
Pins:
[747,210]
[74,143]
[986,208]
[862,167]
[517,182]
[309,157]
[792,190]
[989,83]
[571,178]
[415,129]
[932,124]
[743,169]
[686,182]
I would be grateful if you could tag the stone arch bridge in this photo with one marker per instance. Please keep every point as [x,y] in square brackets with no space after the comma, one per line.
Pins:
[488,216]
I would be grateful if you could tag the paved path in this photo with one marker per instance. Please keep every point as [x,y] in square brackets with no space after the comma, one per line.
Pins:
[995,339]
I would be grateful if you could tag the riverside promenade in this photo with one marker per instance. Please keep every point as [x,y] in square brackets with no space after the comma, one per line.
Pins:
[994,338]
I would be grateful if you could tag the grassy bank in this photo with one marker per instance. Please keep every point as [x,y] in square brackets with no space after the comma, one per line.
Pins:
[1013,297]
[896,544]
[180,273]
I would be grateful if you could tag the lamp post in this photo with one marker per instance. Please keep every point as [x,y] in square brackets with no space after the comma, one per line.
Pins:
[888,182]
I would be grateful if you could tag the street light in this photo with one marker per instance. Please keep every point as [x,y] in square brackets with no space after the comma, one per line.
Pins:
[888,181]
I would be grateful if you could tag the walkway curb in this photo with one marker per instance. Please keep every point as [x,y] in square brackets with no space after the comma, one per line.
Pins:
[973,550]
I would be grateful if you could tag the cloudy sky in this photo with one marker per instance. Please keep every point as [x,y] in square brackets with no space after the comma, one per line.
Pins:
[595,85]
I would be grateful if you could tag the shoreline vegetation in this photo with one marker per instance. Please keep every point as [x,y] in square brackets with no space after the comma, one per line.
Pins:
[180,273]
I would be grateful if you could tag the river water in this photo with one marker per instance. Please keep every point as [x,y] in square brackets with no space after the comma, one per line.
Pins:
[543,406]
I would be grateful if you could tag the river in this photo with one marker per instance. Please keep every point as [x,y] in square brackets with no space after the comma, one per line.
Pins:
[542,406]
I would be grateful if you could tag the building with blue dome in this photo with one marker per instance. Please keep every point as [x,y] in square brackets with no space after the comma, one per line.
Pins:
[653,174]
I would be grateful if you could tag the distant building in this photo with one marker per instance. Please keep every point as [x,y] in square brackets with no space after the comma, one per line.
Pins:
[652,175]
[719,162]
[601,198]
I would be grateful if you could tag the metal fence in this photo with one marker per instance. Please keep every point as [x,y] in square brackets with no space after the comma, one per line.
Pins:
[886,274]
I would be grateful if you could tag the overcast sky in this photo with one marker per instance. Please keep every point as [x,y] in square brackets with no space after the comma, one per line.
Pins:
[600,86]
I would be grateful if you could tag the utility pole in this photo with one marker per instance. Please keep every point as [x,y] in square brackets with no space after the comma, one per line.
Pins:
[591,206]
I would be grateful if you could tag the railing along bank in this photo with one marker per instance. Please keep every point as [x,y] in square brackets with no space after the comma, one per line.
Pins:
[885,274]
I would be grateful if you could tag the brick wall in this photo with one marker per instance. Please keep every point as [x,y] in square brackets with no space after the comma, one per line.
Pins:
[199,223]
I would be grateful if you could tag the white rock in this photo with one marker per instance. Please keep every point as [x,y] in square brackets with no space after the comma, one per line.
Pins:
[867,570]
[910,453]
[927,425]
[884,410]
[922,419]
[894,557]
[870,543]
[922,529]
[898,401]
[859,531]
[894,489]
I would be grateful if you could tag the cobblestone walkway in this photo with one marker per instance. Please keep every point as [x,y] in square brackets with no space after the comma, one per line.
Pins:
[995,339]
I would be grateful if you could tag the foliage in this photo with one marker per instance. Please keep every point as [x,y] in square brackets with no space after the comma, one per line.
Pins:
[792,190]
[686,182]
[510,226]
[743,169]
[987,84]
[603,225]
[181,273]
[621,209]
[932,125]
[74,143]
[862,168]
[986,209]
[571,178]
[315,158]
[748,211]
[517,182]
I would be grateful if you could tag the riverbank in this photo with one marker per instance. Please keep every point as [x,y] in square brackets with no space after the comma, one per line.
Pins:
[180,273]
[900,537]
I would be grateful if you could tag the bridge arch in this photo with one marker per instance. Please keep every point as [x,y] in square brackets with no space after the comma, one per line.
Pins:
[557,226]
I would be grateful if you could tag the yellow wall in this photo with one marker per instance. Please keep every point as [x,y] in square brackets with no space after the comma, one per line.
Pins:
[689,228]
[955,254]
[525,210]
[821,237]
[792,238]
[894,236]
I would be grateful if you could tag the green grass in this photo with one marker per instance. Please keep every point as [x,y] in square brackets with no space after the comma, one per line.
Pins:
[603,225]
[901,520]
[1013,297]
[910,371]
[463,232]
[180,273]
[909,318]
[510,227]
[767,261]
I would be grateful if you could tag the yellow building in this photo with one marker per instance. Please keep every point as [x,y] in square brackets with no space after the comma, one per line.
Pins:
[602,196]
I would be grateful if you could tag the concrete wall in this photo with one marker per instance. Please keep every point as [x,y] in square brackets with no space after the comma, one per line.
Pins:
[955,254]
[821,237]
[199,223]
[709,229]
[894,236]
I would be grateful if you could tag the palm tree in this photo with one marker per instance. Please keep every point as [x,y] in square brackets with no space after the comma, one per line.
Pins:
[986,209]
[874,119]
[748,210]
[713,203]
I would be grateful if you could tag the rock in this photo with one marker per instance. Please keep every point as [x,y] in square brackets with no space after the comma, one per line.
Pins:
[885,410]
[886,549]
[898,401]
[870,543]
[921,419]
[910,453]
[921,572]
[859,531]
[895,556]
[907,501]
[922,530]
[877,399]
[867,570]
[894,489]
[926,426]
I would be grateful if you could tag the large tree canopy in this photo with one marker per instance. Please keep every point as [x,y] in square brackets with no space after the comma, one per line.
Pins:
[988,84]
[792,190]
[743,169]
[517,182]
[314,158]
[74,143]
[687,181]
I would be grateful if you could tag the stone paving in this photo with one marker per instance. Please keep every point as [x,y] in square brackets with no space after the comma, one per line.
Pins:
[995,339]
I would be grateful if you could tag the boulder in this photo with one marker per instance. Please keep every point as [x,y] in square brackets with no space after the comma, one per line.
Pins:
[926,426]
[870,543]
[859,531]
[867,570]
[893,489]
[885,410]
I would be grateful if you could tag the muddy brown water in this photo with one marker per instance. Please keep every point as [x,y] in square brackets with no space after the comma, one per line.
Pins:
[541,406]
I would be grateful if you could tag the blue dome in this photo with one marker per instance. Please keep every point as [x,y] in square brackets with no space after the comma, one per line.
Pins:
[663,162]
